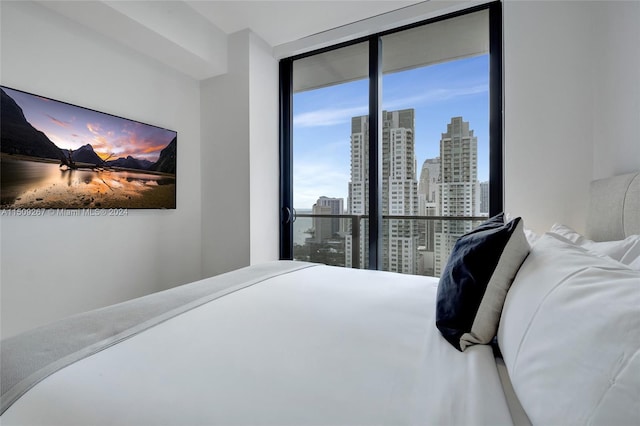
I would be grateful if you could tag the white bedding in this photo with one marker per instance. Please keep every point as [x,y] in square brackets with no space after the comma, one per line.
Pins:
[303,344]
[323,345]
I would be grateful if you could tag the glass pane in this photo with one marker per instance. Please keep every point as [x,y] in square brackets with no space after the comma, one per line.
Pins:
[435,140]
[330,177]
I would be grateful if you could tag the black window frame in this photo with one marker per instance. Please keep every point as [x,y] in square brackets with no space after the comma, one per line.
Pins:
[496,140]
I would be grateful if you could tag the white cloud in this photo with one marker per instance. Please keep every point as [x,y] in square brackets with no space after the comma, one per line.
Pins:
[328,117]
[333,116]
[311,180]
[432,96]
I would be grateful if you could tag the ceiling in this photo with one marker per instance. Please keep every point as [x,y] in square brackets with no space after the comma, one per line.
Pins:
[279,22]
[191,35]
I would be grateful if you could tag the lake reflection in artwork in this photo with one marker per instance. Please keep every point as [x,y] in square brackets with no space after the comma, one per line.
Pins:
[41,184]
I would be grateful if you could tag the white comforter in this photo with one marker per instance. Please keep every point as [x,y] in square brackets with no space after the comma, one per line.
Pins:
[323,345]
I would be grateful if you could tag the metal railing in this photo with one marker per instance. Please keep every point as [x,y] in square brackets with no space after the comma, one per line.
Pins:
[355,222]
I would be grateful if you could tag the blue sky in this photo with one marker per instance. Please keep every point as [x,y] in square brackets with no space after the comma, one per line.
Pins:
[322,121]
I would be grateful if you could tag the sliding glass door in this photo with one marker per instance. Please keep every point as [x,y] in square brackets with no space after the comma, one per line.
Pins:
[435,142]
[329,90]
[392,145]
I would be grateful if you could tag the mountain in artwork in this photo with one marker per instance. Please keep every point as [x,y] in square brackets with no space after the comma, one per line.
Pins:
[18,136]
[130,163]
[167,161]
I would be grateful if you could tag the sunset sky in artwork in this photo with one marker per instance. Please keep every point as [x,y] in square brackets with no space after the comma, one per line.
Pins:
[71,127]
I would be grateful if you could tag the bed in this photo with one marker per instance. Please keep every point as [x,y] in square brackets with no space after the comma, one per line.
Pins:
[294,343]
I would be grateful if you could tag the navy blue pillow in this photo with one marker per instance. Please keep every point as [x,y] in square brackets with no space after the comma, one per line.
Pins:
[475,281]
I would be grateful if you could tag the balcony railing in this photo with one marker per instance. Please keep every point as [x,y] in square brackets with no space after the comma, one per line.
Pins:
[410,241]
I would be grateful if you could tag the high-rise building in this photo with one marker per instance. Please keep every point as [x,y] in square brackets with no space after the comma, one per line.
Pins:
[428,185]
[321,226]
[428,196]
[358,189]
[484,199]
[327,228]
[399,188]
[458,187]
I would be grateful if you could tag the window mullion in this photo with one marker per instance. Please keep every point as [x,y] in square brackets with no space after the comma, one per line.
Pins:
[496,185]
[375,153]
[286,159]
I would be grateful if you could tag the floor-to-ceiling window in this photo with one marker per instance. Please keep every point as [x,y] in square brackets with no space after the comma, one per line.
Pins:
[392,145]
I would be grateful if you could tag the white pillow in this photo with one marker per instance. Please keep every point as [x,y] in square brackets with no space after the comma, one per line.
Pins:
[531,236]
[570,336]
[625,251]
[567,232]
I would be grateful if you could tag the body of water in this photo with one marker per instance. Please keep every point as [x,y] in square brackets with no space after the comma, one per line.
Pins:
[300,226]
[45,185]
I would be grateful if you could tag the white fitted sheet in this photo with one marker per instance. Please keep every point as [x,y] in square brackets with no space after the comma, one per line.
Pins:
[323,345]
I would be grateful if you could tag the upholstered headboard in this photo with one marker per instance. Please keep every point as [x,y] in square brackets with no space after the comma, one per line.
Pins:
[614,210]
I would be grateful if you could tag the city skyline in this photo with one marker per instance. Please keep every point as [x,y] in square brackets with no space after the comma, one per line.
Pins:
[322,120]
[445,186]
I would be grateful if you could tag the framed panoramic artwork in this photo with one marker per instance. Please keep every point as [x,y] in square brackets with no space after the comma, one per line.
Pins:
[55,155]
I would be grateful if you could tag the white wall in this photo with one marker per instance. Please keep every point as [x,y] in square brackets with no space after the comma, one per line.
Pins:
[55,266]
[616,130]
[240,158]
[264,170]
[571,104]
[225,162]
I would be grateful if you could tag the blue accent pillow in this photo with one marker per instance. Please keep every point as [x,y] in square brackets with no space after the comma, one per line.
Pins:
[475,281]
